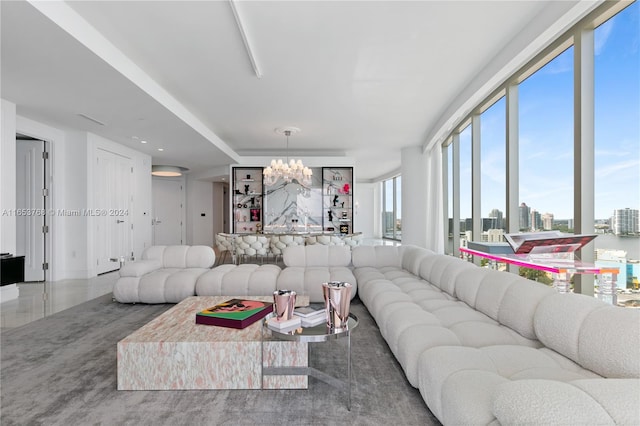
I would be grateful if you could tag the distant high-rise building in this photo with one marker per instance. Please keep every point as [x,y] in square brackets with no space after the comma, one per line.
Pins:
[625,221]
[499,219]
[535,220]
[525,218]
[547,221]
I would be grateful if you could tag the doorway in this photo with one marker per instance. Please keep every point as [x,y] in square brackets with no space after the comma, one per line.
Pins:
[113,183]
[31,206]
[168,211]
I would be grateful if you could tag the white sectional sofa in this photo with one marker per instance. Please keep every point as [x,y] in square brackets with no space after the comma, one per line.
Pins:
[166,274]
[483,347]
[487,347]
[306,268]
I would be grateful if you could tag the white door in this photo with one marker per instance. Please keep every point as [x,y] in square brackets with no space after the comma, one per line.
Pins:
[30,203]
[111,210]
[167,211]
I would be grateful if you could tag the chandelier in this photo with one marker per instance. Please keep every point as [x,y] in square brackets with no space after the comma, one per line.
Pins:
[288,170]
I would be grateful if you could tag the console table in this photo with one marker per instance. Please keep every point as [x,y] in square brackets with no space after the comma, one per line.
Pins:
[562,269]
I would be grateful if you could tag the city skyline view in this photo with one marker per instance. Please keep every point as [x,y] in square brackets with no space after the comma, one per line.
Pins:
[546,134]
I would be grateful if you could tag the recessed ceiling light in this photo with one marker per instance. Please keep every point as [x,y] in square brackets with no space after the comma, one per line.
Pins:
[160,149]
[143,141]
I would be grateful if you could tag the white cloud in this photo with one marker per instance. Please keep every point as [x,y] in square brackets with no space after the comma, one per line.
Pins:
[602,35]
[617,168]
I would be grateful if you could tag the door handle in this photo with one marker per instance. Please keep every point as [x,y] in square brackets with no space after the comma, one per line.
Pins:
[119,221]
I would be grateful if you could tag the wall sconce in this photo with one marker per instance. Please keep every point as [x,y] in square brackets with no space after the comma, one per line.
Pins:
[168,171]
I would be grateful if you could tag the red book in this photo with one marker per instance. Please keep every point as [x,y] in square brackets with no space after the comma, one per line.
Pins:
[234,313]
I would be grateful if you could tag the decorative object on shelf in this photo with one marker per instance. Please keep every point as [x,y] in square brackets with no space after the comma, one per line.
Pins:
[337,301]
[335,200]
[345,189]
[344,229]
[248,177]
[345,215]
[289,170]
[330,213]
[246,190]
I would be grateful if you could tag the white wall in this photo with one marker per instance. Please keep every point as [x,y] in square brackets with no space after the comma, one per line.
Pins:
[199,203]
[7,177]
[74,228]
[220,208]
[414,196]
[364,211]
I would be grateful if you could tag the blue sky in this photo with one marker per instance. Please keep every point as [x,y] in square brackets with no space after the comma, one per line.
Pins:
[546,131]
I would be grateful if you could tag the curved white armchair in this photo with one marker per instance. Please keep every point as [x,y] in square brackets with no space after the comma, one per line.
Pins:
[325,240]
[278,243]
[252,245]
[226,245]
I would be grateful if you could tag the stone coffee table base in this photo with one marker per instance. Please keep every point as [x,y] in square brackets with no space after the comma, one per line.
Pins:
[173,352]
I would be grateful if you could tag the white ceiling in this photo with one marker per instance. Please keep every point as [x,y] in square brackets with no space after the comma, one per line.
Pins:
[361,79]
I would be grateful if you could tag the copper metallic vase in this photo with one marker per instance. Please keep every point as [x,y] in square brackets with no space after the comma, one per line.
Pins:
[284,301]
[337,300]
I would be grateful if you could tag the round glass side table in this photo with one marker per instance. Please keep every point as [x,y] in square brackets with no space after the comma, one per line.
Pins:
[316,334]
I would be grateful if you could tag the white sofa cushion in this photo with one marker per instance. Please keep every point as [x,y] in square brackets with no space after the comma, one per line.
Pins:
[175,257]
[181,257]
[376,256]
[559,319]
[238,280]
[308,280]
[139,268]
[316,255]
[200,257]
[519,304]
[604,341]
[412,256]
[579,402]
[446,374]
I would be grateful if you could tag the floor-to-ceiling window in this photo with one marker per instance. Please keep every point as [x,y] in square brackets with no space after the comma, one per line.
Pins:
[546,145]
[493,169]
[617,145]
[543,184]
[466,225]
[392,211]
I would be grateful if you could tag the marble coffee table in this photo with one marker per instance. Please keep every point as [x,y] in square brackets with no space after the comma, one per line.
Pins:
[173,352]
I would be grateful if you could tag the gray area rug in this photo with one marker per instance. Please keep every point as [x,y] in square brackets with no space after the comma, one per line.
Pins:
[61,370]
